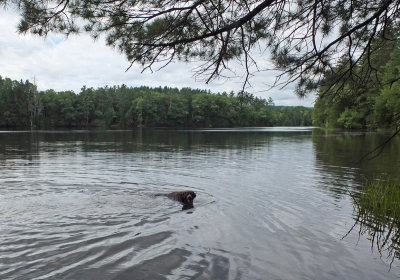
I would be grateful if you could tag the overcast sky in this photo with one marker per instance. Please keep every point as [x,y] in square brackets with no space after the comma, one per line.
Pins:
[68,64]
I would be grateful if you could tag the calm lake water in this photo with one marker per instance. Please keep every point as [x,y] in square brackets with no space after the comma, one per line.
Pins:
[272,203]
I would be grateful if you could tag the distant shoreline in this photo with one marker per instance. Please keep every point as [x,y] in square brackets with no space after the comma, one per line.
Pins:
[122,107]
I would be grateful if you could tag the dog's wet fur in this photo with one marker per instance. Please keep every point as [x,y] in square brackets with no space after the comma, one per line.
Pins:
[184,197]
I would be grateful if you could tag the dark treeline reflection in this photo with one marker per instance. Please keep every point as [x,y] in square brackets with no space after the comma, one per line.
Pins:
[137,140]
[382,231]
[21,105]
[336,153]
[340,154]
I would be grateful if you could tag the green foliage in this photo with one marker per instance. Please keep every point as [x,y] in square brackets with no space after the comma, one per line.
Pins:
[387,103]
[382,199]
[378,214]
[143,106]
[369,102]
[150,109]
[19,104]
[350,119]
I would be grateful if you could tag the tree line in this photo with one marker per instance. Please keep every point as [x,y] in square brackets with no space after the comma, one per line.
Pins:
[23,106]
[355,97]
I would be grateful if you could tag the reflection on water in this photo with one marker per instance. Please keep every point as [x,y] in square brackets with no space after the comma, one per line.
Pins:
[271,204]
[377,212]
[340,152]
[383,234]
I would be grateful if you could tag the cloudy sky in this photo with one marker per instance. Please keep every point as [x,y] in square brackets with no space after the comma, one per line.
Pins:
[68,64]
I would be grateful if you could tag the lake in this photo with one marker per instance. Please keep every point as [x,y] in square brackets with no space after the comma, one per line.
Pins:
[272,203]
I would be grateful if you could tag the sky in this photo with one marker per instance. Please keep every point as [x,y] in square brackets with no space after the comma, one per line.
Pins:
[61,63]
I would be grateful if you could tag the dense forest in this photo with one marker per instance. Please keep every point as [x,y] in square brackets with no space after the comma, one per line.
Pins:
[23,106]
[361,97]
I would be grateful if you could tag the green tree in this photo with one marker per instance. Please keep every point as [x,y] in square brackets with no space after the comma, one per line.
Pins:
[87,105]
[204,109]
[387,106]
[367,100]
[127,107]
[67,102]
[149,109]
[50,108]
[15,105]
[178,110]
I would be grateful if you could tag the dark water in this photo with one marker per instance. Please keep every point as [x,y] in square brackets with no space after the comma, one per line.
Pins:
[271,204]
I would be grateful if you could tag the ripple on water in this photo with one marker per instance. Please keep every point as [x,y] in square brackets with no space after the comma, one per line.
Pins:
[77,230]
[266,208]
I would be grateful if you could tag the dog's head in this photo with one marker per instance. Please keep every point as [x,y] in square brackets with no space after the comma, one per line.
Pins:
[189,197]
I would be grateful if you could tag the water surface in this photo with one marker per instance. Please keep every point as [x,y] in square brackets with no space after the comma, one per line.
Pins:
[272,203]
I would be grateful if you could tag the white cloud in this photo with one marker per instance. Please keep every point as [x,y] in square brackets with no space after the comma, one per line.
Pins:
[68,64]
